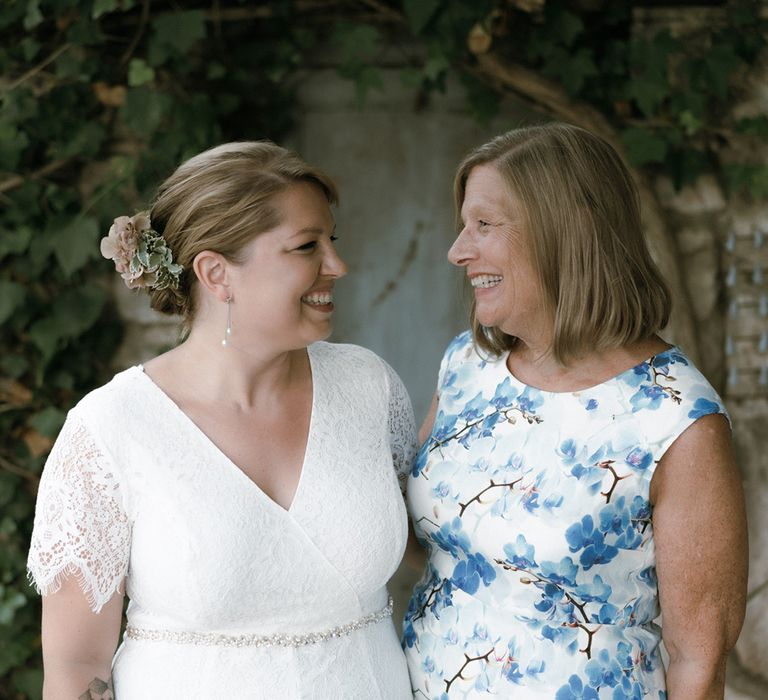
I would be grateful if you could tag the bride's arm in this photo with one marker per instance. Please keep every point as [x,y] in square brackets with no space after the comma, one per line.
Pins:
[78,644]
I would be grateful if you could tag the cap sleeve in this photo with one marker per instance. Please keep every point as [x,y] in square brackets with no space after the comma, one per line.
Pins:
[402,427]
[667,395]
[81,525]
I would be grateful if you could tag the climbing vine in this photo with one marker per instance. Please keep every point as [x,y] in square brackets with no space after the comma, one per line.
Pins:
[100,99]
[98,102]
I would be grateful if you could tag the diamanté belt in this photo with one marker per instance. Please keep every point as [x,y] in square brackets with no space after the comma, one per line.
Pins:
[256,640]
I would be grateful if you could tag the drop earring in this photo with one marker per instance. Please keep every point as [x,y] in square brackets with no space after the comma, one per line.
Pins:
[228,330]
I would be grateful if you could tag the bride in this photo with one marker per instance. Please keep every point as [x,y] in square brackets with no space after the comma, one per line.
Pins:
[241,488]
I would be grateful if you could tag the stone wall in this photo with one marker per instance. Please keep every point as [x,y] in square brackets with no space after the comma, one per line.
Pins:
[703,223]
[395,166]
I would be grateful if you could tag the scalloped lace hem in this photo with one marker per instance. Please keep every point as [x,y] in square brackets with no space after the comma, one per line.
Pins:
[51,583]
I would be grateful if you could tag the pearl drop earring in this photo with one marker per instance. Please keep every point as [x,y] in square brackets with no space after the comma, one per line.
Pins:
[228,330]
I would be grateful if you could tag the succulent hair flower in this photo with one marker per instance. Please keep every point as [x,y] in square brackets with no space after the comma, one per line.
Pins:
[141,255]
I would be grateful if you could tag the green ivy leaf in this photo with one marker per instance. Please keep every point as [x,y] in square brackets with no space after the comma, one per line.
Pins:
[684,164]
[13,142]
[12,295]
[9,604]
[648,94]
[419,12]
[33,16]
[14,365]
[85,141]
[572,69]
[216,70]
[643,146]
[15,650]
[483,101]
[102,7]
[758,182]
[738,177]
[436,66]
[649,82]
[7,489]
[358,44]
[411,78]
[71,314]
[179,30]
[144,110]
[566,26]
[754,126]
[72,65]
[367,78]
[139,72]
[14,242]
[693,102]
[690,122]
[30,48]
[29,682]
[48,422]
[76,244]
[716,68]
[85,31]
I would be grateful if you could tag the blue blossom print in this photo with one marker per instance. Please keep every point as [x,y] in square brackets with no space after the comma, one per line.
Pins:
[534,509]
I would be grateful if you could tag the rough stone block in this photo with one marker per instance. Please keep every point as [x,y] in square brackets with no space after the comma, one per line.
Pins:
[704,197]
[700,267]
[752,648]
[749,423]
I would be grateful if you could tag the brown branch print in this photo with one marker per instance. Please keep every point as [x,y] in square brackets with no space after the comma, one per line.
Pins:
[673,394]
[608,464]
[579,605]
[468,660]
[506,412]
[494,485]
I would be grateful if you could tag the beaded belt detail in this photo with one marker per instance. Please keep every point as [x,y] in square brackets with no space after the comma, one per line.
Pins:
[256,640]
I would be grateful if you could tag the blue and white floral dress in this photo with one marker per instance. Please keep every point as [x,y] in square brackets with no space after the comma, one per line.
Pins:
[534,507]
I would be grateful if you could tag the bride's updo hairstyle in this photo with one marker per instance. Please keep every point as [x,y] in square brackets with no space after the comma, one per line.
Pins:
[220,200]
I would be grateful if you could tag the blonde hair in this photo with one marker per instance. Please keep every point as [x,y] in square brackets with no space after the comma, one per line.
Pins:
[219,200]
[581,209]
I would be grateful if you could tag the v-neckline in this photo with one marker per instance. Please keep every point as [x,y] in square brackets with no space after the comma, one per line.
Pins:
[232,466]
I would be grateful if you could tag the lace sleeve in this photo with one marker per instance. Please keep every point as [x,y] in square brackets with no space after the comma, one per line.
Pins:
[402,427]
[81,527]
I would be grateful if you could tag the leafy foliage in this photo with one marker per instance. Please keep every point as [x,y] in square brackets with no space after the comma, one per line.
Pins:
[100,99]
[667,89]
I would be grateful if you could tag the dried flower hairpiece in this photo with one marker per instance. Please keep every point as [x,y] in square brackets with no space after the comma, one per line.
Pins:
[141,255]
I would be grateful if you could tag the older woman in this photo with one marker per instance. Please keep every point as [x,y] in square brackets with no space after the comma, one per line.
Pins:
[240,487]
[577,476]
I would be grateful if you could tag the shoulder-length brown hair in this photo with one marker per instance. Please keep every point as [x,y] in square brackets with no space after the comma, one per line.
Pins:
[581,208]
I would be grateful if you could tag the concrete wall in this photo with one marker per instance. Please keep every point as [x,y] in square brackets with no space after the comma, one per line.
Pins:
[395,168]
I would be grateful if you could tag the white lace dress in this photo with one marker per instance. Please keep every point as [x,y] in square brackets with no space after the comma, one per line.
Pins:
[231,595]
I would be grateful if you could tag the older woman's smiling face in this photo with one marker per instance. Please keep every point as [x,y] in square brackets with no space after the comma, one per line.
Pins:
[494,248]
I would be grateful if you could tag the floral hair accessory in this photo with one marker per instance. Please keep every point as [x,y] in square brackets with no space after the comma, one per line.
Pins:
[141,255]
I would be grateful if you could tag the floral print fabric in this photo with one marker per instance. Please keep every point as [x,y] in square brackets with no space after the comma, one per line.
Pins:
[534,508]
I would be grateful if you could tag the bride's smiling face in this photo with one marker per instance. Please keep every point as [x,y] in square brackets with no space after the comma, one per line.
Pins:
[283,289]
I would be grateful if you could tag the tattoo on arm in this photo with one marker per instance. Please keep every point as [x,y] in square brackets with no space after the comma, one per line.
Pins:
[99,690]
